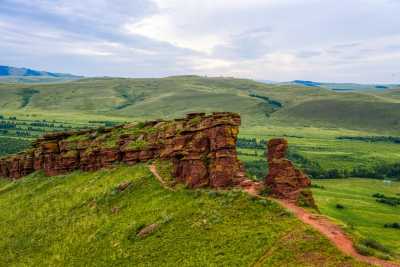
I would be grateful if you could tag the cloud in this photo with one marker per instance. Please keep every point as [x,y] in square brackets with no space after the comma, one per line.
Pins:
[355,40]
[162,28]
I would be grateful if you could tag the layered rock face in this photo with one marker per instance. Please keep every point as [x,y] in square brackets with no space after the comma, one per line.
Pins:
[201,147]
[284,179]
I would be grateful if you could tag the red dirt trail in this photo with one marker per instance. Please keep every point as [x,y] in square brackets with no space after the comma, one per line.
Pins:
[334,233]
[326,227]
[322,224]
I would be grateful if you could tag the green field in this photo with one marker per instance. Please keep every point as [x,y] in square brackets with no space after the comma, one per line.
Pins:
[331,134]
[81,219]
[322,146]
[362,215]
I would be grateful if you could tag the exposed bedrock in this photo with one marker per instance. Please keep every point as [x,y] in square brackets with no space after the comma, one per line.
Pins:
[284,179]
[202,148]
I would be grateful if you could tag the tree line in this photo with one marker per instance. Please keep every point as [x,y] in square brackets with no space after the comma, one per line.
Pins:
[259,168]
[372,139]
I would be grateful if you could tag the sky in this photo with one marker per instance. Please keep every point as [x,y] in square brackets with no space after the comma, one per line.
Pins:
[279,40]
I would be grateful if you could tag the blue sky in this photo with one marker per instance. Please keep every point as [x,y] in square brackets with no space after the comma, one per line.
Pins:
[325,40]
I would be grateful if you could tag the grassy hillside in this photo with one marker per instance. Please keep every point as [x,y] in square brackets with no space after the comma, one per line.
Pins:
[81,219]
[134,98]
[258,103]
[363,216]
[346,112]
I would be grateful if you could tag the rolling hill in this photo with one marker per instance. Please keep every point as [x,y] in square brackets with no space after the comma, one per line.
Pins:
[259,104]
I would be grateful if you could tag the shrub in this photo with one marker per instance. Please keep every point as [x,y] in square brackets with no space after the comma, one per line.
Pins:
[317,186]
[364,250]
[371,243]
[395,225]
[339,206]
[378,195]
[387,201]
[381,198]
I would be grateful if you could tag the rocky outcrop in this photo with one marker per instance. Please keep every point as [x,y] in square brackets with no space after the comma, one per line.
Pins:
[201,147]
[284,179]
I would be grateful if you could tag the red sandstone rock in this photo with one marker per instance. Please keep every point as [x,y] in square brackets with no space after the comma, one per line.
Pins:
[284,179]
[202,149]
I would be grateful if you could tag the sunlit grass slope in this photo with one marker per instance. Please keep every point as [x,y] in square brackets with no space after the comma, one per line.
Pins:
[81,219]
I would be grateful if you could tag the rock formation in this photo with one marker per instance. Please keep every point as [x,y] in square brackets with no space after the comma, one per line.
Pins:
[284,179]
[201,147]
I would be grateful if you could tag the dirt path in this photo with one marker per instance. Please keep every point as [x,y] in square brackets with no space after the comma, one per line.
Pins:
[334,233]
[329,229]
[322,224]
[153,170]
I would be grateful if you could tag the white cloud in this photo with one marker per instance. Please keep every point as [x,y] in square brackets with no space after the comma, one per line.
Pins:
[261,39]
[202,65]
[89,52]
[162,28]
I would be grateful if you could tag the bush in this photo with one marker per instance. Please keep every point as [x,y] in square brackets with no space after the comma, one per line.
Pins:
[378,195]
[387,201]
[364,250]
[381,198]
[371,243]
[339,206]
[395,225]
[317,186]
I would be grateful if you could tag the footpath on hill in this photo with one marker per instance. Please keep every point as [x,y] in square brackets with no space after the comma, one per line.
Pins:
[334,233]
[320,223]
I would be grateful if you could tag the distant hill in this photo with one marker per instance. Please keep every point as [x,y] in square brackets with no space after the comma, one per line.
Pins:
[338,87]
[14,74]
[258,103]
[345,87]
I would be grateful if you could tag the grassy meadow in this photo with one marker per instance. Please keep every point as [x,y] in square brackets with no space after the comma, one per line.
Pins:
[82,219]
[361,214]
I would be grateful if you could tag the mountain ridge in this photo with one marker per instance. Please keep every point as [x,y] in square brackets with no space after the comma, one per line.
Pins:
[10,71]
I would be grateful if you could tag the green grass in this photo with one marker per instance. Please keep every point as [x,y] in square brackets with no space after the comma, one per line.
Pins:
[81,219]
[322,146]
[346,112]
[363,217]
[142,99]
